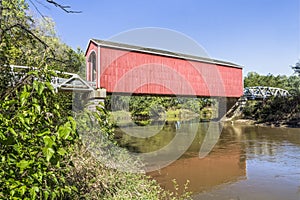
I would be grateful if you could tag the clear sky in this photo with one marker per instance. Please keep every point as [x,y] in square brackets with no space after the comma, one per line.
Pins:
[261,35]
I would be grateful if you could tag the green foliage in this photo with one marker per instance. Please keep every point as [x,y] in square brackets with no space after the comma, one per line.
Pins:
[296,68]
[30,42]
[273,110]
[196,105]
[59,56]
[96,181]
[41,156]
[33,42]
[255,79]
[94,160]
[36,133]
[35,144]
[95,124]
[291,83]
[12,17]
[146,107]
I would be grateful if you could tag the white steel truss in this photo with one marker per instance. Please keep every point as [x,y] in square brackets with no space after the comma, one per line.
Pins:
[63,81]
[262,92]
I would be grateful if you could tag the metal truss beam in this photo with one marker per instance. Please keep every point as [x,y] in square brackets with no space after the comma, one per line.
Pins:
[64,81]
[262,92]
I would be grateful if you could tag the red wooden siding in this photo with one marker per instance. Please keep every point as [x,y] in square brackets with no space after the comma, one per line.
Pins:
[91,48]
[144,73]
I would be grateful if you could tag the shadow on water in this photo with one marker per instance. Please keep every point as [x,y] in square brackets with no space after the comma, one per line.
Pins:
[247,162]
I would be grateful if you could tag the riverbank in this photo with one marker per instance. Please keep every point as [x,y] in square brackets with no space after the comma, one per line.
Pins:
[124,118]
[272,112]
[99,178]
[282,124]
[101,169]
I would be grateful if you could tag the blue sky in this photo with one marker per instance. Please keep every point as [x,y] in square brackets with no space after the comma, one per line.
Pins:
[261,35]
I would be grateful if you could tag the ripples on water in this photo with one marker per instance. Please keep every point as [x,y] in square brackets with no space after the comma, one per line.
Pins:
[248,162]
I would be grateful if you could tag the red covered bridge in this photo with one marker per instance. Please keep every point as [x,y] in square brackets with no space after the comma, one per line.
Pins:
[123,68]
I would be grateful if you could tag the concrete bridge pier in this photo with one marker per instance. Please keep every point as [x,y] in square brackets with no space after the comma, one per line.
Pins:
[95,98]
[224,105]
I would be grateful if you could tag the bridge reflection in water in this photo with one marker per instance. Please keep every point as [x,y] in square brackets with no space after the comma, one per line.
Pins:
[247,162]
[225,163]
[203,174]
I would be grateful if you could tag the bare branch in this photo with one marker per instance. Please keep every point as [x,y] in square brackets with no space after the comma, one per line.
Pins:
[64,8]
[42,4]
[10,90]
[37,9]
[27,31]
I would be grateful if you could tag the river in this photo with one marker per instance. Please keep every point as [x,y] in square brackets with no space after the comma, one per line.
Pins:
[237,162]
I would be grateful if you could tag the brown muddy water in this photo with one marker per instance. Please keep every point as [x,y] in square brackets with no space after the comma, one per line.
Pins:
[240,162]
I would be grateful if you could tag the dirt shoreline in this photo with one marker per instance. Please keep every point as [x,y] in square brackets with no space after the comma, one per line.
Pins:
[278,124]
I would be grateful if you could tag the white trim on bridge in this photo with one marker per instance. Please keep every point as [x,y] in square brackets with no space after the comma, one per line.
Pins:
[63,81]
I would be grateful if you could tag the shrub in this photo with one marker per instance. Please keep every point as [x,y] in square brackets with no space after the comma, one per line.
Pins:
[35,144]
[96,173]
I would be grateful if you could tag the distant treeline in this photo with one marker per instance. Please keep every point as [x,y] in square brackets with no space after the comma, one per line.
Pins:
[276,111]
[290,83]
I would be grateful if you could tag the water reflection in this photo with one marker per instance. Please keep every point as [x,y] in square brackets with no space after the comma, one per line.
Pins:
[204,173]
[273,166]
[247,162]
[224,164]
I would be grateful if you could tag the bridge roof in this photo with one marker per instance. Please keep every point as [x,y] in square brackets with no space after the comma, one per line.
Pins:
[130,47]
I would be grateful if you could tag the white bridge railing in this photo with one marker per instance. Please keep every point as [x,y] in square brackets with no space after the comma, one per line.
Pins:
[262,92]
[63,81]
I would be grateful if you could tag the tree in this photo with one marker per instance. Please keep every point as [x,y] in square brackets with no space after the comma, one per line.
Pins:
[14,26]
[296,68]
[36,132]
[21,34]
[32,42]
[254,79]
